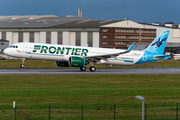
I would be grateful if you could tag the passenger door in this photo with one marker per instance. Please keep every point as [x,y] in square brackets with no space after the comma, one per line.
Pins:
[25,48]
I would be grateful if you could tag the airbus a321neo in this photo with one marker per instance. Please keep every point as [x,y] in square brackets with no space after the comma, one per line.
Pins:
[78,56]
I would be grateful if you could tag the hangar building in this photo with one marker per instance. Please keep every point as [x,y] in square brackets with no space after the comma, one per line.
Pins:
[68,30]
[123,33]
[82,31]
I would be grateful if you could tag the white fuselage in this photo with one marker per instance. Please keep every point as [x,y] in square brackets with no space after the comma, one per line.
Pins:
[78,56]
[53,52]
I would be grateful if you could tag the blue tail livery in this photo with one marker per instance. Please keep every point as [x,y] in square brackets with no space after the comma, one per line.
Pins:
[154,52]
[158,45]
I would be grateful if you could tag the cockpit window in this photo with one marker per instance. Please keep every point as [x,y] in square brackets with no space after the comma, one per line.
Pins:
[13,46]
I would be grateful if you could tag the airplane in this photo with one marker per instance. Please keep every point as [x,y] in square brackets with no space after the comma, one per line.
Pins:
[78,56]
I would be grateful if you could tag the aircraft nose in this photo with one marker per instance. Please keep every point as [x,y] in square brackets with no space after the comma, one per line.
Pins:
[6,51]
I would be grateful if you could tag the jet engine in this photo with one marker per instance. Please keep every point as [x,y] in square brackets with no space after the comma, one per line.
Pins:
[71,62]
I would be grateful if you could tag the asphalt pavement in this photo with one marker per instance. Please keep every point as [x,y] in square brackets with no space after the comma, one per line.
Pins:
[109,71]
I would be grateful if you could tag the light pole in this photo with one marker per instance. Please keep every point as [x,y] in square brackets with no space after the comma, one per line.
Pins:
[141,98]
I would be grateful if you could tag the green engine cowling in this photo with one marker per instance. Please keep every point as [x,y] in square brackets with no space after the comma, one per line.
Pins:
[72,62]
[77,61]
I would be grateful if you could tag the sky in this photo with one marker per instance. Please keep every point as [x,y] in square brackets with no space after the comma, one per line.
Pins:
[148,11]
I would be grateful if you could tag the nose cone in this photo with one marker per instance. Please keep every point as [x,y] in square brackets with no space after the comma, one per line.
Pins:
[6,51]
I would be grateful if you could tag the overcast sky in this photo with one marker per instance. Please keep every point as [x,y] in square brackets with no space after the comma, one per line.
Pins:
[136,10]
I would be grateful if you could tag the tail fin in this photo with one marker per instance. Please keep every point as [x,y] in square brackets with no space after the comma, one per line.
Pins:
[158,45]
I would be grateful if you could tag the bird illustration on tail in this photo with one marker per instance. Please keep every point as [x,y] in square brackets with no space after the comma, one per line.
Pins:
[159,42]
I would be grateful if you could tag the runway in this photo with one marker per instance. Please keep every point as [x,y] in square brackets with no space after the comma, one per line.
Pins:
[110,71]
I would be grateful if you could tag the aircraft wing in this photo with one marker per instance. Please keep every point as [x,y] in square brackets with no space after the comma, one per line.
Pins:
[97,58]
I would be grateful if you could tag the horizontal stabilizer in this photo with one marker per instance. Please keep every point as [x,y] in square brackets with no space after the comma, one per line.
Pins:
[161,56]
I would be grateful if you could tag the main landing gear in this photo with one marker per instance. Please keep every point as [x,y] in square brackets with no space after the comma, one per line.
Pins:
[92,68]
[83,68]
[22,65]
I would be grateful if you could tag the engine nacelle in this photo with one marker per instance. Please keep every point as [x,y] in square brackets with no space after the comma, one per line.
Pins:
[77,61]
[71,62]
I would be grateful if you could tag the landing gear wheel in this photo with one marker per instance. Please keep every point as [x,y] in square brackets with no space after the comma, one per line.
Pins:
[83,68]
[92,69]
[22,65]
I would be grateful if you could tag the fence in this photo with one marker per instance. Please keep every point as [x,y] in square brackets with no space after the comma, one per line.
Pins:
[90,112]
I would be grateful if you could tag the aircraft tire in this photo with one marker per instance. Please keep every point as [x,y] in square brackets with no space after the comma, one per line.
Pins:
[92,69]
[22,65]
[83,68]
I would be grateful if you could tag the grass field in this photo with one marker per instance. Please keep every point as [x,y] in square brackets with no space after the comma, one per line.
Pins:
[98,93]
[101,90]
[88,89]
[93,89]
[51,64]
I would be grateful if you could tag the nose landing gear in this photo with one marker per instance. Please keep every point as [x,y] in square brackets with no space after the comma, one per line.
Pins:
[22,65]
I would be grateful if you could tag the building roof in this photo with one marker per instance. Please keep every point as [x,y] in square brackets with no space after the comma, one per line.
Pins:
[87,23]
[37,21]
[52,21]
[165,25]
[1,40]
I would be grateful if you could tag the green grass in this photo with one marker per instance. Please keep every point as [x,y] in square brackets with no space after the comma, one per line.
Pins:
[98,94]
[51,64]
[88,89]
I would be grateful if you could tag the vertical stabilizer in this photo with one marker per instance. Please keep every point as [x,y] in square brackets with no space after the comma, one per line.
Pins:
[158,45]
